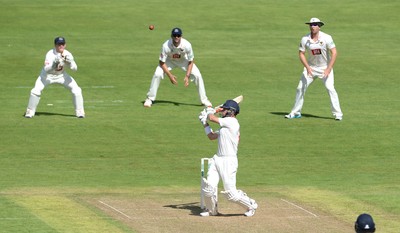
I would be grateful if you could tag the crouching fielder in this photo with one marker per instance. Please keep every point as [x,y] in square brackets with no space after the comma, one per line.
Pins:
[224,164]
[57,59]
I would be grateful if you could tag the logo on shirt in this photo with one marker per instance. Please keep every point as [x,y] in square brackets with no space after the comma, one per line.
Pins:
[316,51]
[176,56]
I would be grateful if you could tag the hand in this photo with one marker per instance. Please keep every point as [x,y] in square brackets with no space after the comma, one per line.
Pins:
[203,120]
[172,79]
[67,59]
[55,64]
[58,64]
[186,80]
[327,72]
[203,117]
[210,110]
[309,72]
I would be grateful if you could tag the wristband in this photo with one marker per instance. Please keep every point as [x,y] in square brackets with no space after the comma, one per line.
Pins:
[207,130]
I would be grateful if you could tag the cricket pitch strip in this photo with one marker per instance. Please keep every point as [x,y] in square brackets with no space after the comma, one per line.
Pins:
[180,213]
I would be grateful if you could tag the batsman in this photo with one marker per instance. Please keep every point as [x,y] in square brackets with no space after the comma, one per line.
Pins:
[224,164]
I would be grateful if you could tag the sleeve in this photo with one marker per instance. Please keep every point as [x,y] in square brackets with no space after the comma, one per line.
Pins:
[164,52]
[72,65]
[302,46]
[190,53]
[329,42]
[49,62]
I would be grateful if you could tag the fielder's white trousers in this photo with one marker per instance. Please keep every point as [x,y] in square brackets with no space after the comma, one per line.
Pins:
[306,81]
[64,79]
[195,76]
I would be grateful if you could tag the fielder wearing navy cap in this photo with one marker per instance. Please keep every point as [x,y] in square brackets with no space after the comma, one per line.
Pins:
[364,223]
[176,32]
[59,40]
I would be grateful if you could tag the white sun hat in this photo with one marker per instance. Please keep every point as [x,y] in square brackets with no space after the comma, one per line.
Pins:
[316,20]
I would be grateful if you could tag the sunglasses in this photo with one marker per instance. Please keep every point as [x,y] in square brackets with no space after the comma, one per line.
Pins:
[176,35]
[314,24]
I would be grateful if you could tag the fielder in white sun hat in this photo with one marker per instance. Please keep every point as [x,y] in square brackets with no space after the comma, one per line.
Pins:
[315,21]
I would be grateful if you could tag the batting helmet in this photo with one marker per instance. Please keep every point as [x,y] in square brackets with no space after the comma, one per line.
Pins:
[364,223]
[231,105]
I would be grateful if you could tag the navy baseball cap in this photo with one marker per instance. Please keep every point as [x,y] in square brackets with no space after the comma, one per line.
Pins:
[364,223]
[176,31]
[59,40]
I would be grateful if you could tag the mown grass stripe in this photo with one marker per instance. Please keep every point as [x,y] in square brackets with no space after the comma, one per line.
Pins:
[343,207]
[64,214]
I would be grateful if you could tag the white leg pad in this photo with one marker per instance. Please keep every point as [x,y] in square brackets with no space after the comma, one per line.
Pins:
[32,105]
[241,198]
[78,104]
[210,197]
[33,102]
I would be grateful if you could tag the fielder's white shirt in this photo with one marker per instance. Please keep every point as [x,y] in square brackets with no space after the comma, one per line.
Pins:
[229,135]
[53,56]
[317,51]
[180,54]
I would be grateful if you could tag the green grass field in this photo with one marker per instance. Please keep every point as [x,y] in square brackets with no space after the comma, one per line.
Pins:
[53,165]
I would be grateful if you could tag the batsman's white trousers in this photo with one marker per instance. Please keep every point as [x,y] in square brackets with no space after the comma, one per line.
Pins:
[195,76]
[306,81]
[64,79]
[224,167]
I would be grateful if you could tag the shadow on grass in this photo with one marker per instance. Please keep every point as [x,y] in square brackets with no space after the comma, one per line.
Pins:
[172,102]
[196,210]
[51,114]
[302,115]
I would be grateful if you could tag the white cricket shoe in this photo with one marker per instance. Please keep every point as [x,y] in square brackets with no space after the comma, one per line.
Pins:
[147,103]
[338,118]
[207,213]
[29,113]
[251,210]
[293,115]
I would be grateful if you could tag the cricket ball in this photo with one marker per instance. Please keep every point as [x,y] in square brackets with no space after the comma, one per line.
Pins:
[151,27]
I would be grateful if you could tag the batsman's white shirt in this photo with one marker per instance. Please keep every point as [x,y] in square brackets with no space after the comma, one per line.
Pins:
[318,51]
[180,55]
[229,135]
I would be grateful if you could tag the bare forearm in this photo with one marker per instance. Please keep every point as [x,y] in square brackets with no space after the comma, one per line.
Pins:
[189,69]
[303,60]
[209,132]
[165,68]
[213,118]
[333,59]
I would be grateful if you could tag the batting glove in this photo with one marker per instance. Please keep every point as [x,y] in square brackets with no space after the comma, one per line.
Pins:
[210,110]
[67,59]
[203,117]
